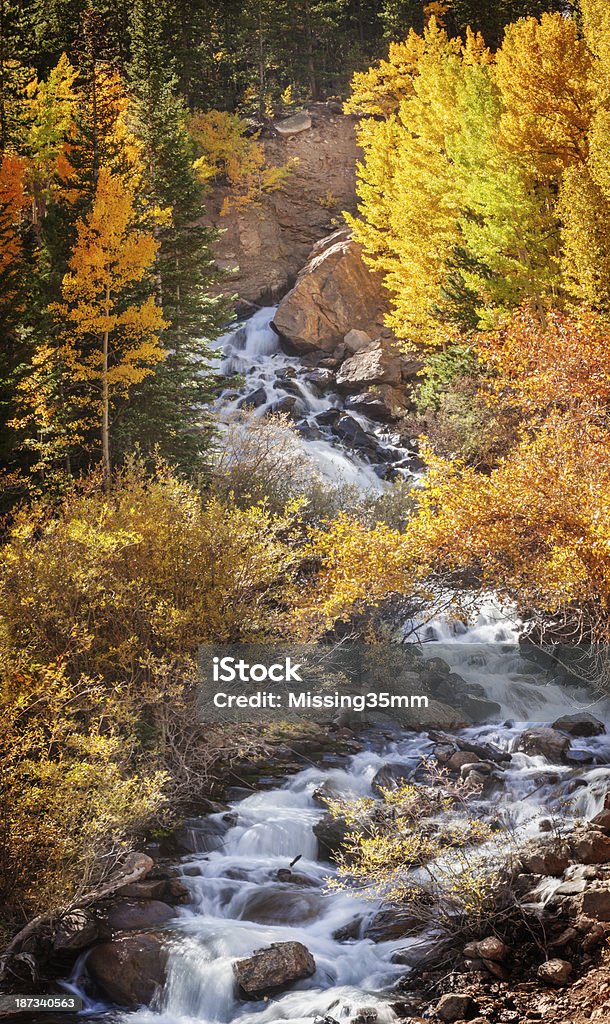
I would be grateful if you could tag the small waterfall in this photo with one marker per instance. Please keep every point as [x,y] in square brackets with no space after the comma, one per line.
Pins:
[344,447]
[239,903]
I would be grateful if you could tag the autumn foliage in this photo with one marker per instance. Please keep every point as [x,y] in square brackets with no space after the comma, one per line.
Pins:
[13,201]
[103,603]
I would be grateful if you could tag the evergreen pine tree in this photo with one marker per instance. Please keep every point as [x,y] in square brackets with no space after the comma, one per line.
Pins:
[167,410]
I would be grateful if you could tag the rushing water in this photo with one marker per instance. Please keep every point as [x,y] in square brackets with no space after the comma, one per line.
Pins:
[238,904]
[344,447]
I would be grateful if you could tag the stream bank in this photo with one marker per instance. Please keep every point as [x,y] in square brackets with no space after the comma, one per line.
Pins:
[252,876]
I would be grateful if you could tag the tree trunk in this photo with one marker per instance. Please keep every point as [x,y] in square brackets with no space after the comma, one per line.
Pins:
[261,69]
[3,58]
[311,67]
[107,467]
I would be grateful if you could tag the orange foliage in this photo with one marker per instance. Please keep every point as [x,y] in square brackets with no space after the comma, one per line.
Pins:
[566,365]
[536,530]
[13,201]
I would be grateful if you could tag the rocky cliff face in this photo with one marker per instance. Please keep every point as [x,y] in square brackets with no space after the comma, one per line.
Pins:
[265,245]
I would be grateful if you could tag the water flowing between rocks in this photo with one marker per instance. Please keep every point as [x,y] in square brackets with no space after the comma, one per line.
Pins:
[238,903]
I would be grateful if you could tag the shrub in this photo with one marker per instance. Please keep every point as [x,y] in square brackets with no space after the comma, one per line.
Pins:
[262,459]
[423,827]
[103,603]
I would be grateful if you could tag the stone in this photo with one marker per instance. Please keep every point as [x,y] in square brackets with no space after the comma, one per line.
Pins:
[330,833]
[455,1006]
[479,709]
[596,902]
[127,916]
[582,724]
[571,888]
[389,925]
[149,889]
[377,364]
[273,904]
[300,122]
[592,848]
[289,405]
[286,875]
[350,430]
[481,768]
[354,341]
[391,776]
[461,758]
[437,715]
[555,972]
[602,820]
[546,858]
[438,665]
[328,418]
[544,742]
[253,400]
[136,866]
[491,948]
[178,890]
[75,930]
[348,931]
[130,969]
[334,294]
[366,1015]
[272,969]
[382,404]
[321,378]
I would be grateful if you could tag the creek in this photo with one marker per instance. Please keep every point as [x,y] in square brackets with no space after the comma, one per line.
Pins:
[238,904]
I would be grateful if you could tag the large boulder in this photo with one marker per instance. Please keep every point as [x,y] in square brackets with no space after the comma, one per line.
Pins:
[272,969]
[382,403]
[148,889]
[546,858]
[391,776]
[455,1006]
[330,831]
[592,847]
[582,724]
[334,293]
[130,969]
[596,901]
[544,742]
[128,915]
[377,364]
[300,122]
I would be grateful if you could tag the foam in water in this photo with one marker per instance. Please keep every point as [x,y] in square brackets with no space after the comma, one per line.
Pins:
[238,905]
[253,351]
